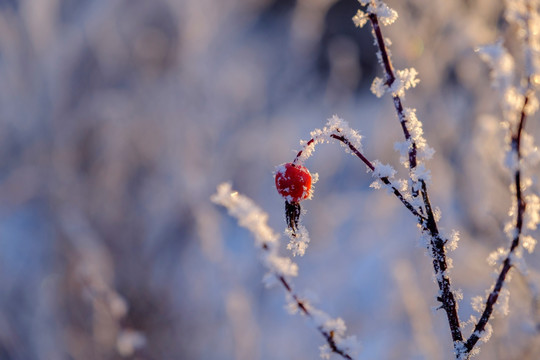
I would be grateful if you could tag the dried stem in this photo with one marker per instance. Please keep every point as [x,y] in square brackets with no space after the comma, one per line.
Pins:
[507,264]
[385,180]
[390,78]
[438,252]
[369,164]
[328,335]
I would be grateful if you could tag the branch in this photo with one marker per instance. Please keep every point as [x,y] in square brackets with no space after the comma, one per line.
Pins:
[250,216]
[385,180]
[390,78]
[438,251]
[507,263]
[328,335]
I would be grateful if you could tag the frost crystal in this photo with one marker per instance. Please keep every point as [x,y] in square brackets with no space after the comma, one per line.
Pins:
[529,151]
[378,87]
[485,335]
[334,126]
[386,15]
[250,216]
[360,19]
[382,171]
[501,64]
[501,307]
[477,303]
[532,212]
[529,243]
[452,242]
[496,257]
[299,240]
[405,79]
[420,173]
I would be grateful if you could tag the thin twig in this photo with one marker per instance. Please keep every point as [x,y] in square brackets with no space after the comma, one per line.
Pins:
[340,137]
[438,251]
[507,264]
[385,179]
[329,336]
[390,78]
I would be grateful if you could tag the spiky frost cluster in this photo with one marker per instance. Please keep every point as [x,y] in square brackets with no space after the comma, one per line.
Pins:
[251,217]
[334,126]
[335,326]
[524,14]
[386,15]
[298,240]
[405,80]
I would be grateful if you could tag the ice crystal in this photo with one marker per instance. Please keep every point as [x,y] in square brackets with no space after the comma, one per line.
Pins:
[250,216]
[360,19]
[386,15]
[496,257]
[334,126]
[299,240]
[529,243]
[405,79]
[378,87]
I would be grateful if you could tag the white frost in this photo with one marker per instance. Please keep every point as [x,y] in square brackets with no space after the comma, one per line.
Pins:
[299,240]
[334,126]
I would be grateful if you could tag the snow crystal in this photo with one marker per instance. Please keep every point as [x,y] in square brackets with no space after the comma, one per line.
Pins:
[337,326]
[529,151]
[496,257]
[532,105]
[247,213]
[518,262]
[485,335]
[532,212]
[386,15]
[452,241]
[501,64]
[477,304]
[334,126]
[382,170]
[129,341]
[461,351]
[526,17]
[360,19]
[529,243]
[405,79]
[378,87]
[421,173]
[254,219]
[299,240]
[511,160]
[501,307]
[281,265]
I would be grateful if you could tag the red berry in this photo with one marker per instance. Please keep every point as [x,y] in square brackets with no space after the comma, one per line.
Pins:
[293,182]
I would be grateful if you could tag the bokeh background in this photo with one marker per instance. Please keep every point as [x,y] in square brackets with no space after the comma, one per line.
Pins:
[118,119]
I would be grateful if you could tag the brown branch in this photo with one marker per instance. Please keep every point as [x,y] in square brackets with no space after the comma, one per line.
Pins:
[328,335]
[421,218]
[390,78]
[385,180]
[438,251]
[507,264]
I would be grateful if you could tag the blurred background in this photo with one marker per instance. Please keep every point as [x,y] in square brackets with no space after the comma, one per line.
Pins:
[118,119]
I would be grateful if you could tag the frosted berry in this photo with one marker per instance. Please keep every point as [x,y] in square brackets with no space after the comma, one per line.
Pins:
[293,182]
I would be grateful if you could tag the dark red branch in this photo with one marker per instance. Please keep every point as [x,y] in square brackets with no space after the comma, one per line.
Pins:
[385,180]
[507,264]
[438,251]
[329,336]
[390,78]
